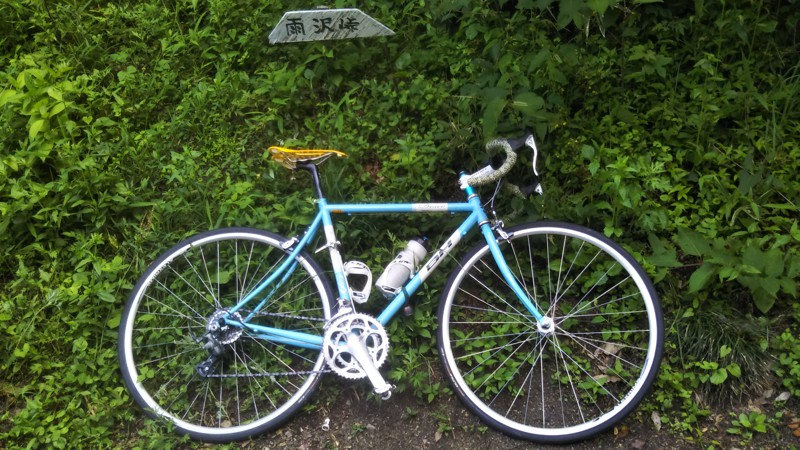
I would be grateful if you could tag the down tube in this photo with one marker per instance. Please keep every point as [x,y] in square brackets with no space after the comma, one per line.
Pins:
[430,265]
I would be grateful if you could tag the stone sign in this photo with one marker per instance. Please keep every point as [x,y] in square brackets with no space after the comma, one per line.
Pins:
[325,24]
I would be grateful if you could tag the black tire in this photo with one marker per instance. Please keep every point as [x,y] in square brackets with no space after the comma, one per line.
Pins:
[172,306]
[590,372]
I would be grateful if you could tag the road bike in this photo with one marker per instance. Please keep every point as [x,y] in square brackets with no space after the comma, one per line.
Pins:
[547,331]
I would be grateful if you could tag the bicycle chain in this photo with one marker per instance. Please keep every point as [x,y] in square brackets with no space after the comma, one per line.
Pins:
[289,316]
[264,375]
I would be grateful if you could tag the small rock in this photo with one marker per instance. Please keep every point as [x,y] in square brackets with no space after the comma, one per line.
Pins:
[656,420]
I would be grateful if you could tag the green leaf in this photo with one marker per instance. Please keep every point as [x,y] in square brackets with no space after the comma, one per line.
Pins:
[692,242]
[662,256]
[570,11]
[529,103]
[795,231]
[491,115]
[22,352]
[734,370]
[55,93]
[719,376]
[744,420]
[754,257]
[57,109]
[701,277]
[114,321]
[773,260]
[763,300]
[107,297]
[403,61]
[7,96]
[36,127]
[600,6]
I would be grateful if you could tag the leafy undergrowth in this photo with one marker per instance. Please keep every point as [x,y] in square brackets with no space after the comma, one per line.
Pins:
[127,126]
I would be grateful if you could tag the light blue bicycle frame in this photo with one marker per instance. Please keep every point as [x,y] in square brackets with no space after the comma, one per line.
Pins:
[476,216]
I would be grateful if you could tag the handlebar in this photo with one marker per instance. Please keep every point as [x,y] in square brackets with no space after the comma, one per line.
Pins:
[489,174]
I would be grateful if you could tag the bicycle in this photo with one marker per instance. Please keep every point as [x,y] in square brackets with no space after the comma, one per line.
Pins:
[547,331]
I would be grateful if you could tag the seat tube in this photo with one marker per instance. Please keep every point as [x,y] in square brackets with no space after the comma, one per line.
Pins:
[333,248]
[491,241]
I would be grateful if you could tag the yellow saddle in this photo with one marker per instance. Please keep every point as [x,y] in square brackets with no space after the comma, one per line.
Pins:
[289,158]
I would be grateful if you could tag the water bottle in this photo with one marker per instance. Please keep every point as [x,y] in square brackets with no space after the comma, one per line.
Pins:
[402,268]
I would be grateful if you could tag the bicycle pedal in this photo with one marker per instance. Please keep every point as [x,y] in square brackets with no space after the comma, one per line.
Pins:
[358,273]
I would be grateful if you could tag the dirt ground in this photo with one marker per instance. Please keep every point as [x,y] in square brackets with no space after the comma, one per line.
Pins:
[357,420]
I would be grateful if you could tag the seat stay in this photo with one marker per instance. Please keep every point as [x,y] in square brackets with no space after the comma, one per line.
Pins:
[282,272]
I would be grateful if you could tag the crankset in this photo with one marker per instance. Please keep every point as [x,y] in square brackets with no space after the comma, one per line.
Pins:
[355,346]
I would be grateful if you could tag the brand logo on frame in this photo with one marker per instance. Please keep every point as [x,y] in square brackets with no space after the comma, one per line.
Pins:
[429,207]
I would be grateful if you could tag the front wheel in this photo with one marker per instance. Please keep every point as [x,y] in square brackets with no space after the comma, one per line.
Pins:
[215,381]
[554,384]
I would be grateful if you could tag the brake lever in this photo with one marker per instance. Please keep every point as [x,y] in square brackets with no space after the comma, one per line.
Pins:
[531,143]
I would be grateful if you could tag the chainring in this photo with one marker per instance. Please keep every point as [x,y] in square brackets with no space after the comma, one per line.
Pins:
[371,333]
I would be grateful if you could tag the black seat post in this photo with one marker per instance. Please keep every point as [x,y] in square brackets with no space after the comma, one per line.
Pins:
[314,171]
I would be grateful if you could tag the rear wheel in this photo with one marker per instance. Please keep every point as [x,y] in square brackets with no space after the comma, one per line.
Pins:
[567,382]
[214,380]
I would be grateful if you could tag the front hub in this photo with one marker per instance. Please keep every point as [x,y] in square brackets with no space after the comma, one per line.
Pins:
[546,326]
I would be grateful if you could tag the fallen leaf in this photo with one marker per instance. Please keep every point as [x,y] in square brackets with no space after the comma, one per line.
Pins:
[783,397]
[437,436]
[621,431]
[796,432]
[612,349]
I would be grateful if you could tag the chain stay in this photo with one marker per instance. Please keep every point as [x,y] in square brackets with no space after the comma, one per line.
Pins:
[275,374]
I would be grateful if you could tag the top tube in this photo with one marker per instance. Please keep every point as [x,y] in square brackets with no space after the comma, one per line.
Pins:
[405,208]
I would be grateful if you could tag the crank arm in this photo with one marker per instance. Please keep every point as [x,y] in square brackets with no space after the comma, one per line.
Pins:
[357,348]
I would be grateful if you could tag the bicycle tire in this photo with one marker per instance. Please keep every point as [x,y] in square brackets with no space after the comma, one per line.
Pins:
[585,377]
[255,384]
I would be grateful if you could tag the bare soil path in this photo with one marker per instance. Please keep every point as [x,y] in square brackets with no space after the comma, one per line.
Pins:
[357,420]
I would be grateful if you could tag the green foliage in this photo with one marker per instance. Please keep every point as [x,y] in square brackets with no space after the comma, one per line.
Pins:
[764,273]
[672,127]
[745,424]
[787,348]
